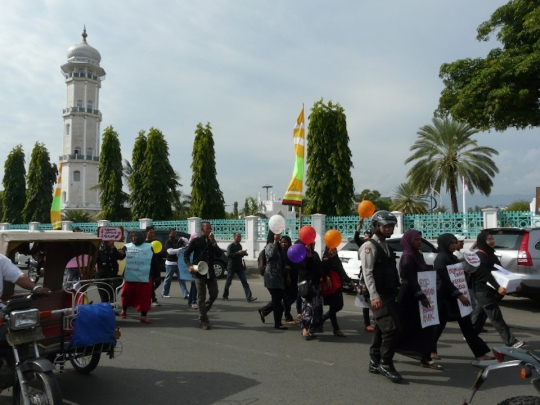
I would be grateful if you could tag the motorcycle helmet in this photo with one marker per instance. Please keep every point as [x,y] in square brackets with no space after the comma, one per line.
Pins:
[381,218]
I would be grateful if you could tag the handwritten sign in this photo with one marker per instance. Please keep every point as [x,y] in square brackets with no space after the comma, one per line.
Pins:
[428,283]
[457,277]
[138,260]
[115,233]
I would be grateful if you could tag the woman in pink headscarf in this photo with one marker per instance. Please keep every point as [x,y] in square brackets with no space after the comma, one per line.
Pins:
[416,341]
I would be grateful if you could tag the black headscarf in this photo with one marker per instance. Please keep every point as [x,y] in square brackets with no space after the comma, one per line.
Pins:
[481,244]
[270,237]
[445,257]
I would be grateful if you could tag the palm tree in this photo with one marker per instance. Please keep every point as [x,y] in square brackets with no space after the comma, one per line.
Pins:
[445,154]
[408,201]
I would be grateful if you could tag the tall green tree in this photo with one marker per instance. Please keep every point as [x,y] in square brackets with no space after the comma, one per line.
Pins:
[40,186]
[519,205]
[111,197]
[445,153]
[408,201]
[158,178]
[329,184]
[235,210]
[206,197]
[501,90]
[136,180]
[381,203]
[14,183]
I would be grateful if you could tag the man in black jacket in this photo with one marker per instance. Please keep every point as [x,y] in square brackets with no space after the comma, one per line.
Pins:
[204,248]
[235,253]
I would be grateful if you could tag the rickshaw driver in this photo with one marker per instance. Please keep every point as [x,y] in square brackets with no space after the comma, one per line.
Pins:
[10,272]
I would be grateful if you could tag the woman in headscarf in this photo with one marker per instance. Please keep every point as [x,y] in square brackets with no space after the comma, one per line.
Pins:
[447,300]
[416,341]
[333,295]
[487,297]
[107,268]
[290,281]
[310,270]
[140,264]
[273,278]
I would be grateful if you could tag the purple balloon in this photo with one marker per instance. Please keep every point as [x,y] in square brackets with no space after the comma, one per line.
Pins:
[296,253]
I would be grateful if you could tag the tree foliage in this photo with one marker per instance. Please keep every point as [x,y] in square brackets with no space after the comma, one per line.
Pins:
[445,153]
[135,179]
[158,178]
[206,197]
[329,184]
[14,183]
[519,205]
[375,197]
[40,186]
[111,197]
[501,90]
[76,216]
[408,201]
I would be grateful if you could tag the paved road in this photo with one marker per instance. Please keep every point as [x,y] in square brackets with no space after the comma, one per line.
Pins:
[243,361]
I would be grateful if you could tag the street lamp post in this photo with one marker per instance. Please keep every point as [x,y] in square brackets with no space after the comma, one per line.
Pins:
[267,186]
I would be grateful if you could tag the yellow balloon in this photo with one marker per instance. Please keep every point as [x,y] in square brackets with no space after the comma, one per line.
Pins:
[156,246]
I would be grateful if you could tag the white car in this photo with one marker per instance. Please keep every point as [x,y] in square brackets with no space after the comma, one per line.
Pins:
[348,255]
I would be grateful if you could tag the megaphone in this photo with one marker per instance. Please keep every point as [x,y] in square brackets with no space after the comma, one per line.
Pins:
[201,268]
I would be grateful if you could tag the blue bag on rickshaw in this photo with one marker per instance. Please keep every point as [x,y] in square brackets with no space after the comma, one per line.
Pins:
[94,324]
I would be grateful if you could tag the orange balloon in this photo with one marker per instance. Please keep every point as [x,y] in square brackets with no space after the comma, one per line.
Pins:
[332,238]
[366,209]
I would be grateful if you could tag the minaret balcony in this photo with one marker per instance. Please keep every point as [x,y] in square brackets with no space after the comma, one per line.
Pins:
[76,156]
[71,110]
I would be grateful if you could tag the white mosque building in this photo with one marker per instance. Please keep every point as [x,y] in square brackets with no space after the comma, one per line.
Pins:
[81,131]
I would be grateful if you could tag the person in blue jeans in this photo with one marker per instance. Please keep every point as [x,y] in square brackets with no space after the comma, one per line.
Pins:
[235,266]
[173,247]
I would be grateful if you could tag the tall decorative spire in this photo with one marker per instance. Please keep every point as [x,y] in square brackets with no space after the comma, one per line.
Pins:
[84,35]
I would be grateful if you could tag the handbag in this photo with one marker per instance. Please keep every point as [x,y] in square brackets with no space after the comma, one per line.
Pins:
[304,288]
[334,279]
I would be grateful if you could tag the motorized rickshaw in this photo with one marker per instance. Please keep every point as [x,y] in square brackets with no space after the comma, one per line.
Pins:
[65,312]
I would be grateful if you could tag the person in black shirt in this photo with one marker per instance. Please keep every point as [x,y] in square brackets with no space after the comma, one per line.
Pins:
[235,253]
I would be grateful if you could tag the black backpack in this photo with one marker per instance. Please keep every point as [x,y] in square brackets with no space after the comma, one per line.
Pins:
[261,262]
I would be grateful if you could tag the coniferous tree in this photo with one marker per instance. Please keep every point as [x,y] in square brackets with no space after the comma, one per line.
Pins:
[235,209]
[40,186]
[206,198]
[14,186]
[111,196]
[136,181]
[159,179]
[330,187]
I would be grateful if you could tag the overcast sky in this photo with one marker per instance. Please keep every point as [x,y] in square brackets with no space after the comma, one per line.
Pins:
[246,67]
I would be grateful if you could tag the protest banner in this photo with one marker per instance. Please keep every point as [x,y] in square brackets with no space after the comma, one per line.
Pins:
[457,277]
[428,283]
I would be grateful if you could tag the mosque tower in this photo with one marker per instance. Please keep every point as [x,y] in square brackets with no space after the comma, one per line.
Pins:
[82,119]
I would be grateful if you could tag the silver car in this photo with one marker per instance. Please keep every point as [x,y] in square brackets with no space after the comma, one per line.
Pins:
[518,249]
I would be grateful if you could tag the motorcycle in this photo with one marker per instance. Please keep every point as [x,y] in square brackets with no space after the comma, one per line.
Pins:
[528,360]
[21,365]
[36,267]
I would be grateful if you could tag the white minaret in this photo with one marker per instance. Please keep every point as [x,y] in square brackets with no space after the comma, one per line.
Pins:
[82,118]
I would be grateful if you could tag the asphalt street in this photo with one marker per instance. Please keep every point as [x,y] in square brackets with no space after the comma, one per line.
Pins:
[243,361]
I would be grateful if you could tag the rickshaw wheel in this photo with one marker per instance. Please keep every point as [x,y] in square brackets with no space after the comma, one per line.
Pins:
[86,364]
[43,389]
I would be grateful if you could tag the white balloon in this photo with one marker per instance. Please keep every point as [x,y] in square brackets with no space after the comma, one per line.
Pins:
[276,223]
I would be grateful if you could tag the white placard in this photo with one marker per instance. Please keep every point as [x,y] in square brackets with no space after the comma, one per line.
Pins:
[360,301]
[457,277]
[428,283]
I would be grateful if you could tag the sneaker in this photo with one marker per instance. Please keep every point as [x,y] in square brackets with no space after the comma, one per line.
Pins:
[194,306]
[251,299]
[518,343]
[165,296]
[156,304]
